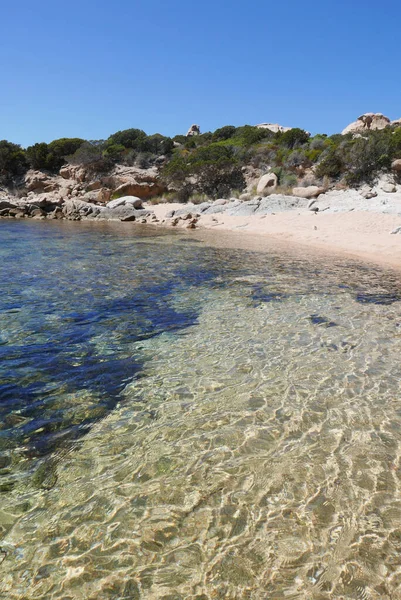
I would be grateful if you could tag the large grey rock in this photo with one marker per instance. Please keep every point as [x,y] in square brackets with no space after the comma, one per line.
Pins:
[74,208]
[243,209]
[214,210]
[203,206]
[133,201]
[123,213]
[279,203]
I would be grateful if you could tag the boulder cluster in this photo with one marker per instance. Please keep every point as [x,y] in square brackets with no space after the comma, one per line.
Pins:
[128,208]
[77,193]
[77,181]
[370,121]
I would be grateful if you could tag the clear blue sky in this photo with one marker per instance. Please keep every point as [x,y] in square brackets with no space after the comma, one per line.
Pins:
[90,68]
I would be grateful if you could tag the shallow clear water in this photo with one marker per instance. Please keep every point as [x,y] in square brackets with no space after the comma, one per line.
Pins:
[180,421]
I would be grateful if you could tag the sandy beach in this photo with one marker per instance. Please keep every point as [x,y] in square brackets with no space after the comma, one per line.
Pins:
[345,224]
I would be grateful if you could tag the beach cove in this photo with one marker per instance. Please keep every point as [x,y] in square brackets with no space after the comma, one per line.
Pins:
[342,223]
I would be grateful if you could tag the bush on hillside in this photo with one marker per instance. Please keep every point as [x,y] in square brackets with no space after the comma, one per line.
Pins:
[292,138]
[92,156]
[364,157]
[249,135]
[213,170]
[223,133]
[38,155]
[128,138]
[51,157]
[331,165]
[12,161]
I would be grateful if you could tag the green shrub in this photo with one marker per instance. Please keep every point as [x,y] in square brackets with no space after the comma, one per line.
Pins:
[52,156]
[12,161]
[92,156]
[364,157]
[395,143]
[224,133]
[213,170]
[292,138]
[129,138]
[249,135]
[331,165]
[114,152]
[38,155]
[295,159]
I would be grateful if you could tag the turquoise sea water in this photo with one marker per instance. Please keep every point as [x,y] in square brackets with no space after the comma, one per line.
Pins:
[184,421]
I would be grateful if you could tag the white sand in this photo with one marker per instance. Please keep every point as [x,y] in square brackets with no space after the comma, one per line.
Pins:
[346,224]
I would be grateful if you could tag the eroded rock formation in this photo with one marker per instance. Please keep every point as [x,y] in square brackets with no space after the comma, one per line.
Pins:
[193,130]
[367,122]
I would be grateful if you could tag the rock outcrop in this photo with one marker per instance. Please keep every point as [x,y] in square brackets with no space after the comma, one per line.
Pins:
[80,182]
[396,165]
[77,209]
[312,191]
[73,209]
[274,127]
[193,130]
[366,122]
[132,201]
[267,183]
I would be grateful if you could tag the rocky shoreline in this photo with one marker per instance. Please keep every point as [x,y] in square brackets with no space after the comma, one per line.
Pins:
[72,210]
[363,223]
[133,208]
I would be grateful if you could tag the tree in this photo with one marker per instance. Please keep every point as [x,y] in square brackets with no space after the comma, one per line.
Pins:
[292,138]
[224,133]
[51,157]
[12,160]
[213,170]
[38,156]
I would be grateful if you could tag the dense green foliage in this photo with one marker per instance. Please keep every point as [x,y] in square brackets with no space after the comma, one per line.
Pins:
[50,157]
[12,161]
[361,158]
[212,170]
[213,163]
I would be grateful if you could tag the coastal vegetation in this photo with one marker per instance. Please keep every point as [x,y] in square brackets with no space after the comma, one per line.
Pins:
[216,164]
